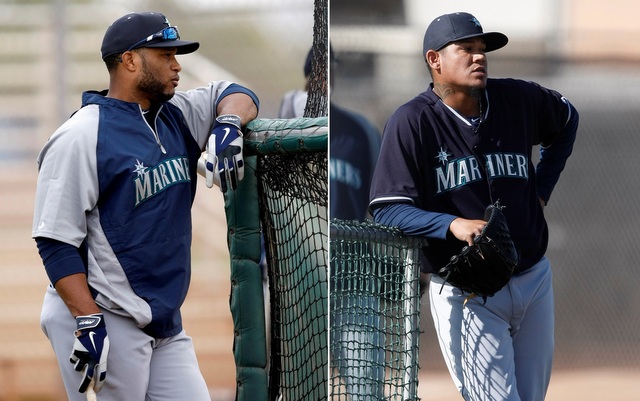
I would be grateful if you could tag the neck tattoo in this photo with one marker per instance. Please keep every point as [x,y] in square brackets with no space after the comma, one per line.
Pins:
[443,90]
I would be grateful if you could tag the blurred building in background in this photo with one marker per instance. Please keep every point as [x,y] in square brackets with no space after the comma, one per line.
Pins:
[51,53]
[379,43]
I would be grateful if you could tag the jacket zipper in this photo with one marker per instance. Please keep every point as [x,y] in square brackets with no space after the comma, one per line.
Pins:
[154,129]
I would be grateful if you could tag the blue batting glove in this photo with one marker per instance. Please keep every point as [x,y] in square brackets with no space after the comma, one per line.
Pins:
[90,351]
[224,162]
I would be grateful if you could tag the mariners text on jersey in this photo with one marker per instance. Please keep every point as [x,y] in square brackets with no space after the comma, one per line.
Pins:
[456,173]
[151,181]
[346,173]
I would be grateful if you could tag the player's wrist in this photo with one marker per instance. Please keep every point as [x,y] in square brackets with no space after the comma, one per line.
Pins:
[231,119]
[86,322]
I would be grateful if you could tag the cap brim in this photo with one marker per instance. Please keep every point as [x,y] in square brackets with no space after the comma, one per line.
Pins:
[492,40]
[183,46]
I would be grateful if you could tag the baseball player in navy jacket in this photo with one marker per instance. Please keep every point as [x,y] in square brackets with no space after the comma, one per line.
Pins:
[461,145]
[112,217]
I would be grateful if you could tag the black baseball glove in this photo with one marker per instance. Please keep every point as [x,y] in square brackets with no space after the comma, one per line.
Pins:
[482,269]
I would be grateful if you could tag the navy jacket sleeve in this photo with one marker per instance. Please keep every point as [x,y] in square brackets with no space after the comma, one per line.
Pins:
[235,88]
[553,157]
[60,259]
[413,221]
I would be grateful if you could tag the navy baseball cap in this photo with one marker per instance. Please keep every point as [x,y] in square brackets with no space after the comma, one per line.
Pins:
[143,29]
[459,26]
[307,63]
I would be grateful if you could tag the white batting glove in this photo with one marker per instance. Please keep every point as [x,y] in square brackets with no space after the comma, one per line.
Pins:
[90,350]
[224,161]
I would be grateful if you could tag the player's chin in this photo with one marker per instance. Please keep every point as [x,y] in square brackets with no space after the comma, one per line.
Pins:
[165,96]
[479,82]
[170,90]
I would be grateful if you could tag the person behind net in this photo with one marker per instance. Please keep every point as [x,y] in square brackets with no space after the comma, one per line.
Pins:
[112,217]
[357,345]
[447,154]
[294,101]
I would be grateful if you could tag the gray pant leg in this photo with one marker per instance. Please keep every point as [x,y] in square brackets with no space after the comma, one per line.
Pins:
[139,367]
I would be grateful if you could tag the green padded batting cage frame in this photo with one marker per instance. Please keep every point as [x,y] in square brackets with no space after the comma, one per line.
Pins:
[374,313]
[281,245]
[277,233]
[278,241]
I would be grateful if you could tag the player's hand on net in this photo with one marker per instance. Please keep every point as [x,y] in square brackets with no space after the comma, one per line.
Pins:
[225,165]
[90,351]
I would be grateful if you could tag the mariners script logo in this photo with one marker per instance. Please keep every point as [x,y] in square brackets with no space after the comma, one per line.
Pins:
[150,181]
[458,172]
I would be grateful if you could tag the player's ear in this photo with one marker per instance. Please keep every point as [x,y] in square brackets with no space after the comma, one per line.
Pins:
[128,60]
[433,59]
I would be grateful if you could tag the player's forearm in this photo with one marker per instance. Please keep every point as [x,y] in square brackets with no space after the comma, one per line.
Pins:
[240,104]
[67,273]
[414,221]
[75,293]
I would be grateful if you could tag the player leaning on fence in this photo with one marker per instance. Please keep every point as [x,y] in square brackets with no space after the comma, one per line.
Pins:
[113,216]
[447,154]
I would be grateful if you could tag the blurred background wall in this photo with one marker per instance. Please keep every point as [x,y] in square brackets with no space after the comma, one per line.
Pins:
[50,54]
[589,52]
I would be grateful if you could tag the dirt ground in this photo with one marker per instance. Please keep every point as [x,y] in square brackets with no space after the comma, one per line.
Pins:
[570,385]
